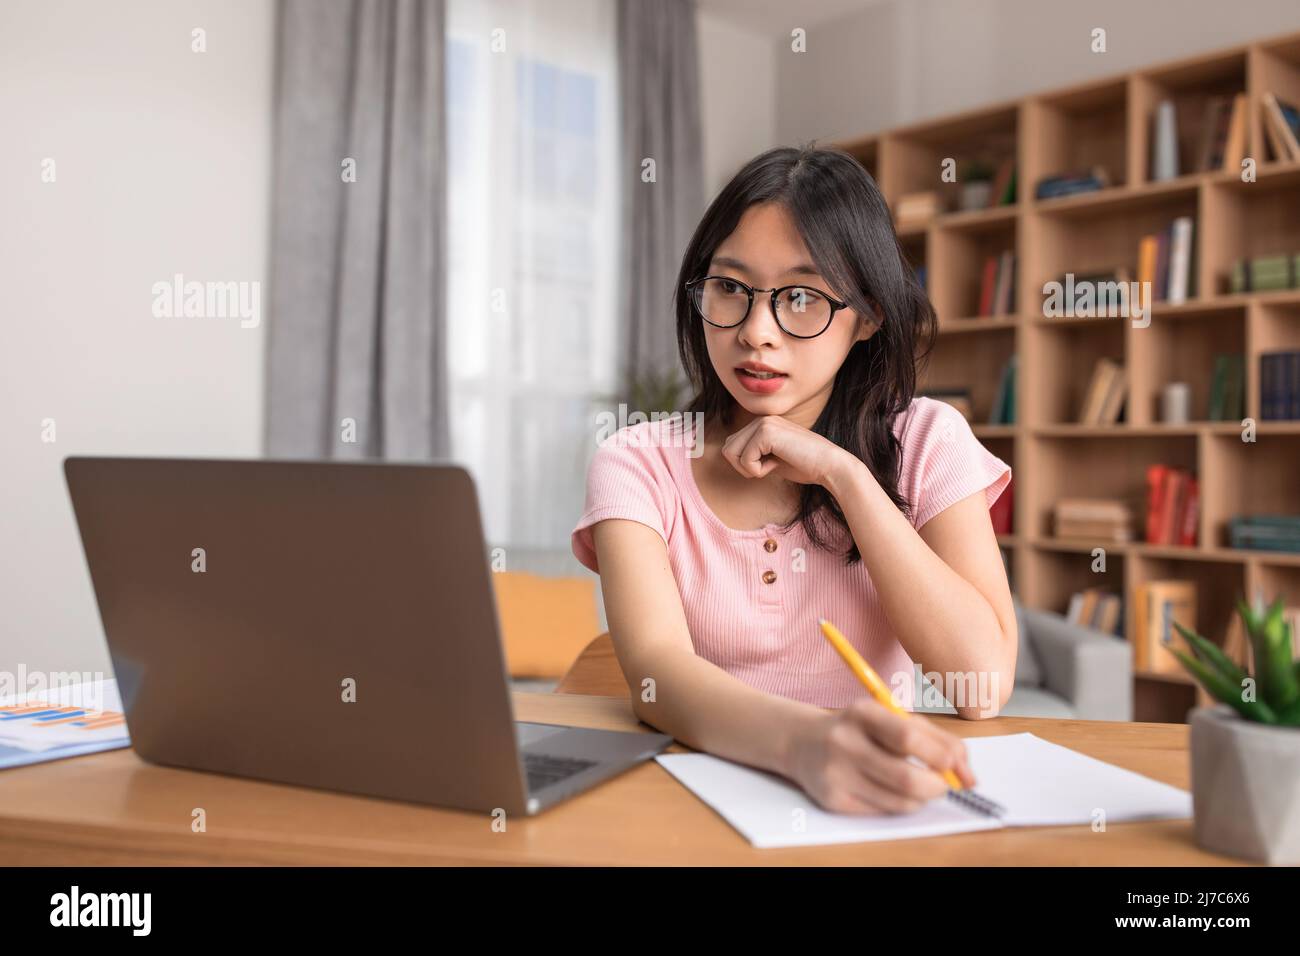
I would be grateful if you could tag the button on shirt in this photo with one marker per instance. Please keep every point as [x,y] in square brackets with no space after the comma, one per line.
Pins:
[752,597]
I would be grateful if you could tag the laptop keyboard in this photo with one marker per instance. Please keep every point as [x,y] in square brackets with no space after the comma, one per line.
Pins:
[545,769]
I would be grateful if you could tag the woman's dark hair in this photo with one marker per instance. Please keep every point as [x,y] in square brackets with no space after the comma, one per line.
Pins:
[845,223]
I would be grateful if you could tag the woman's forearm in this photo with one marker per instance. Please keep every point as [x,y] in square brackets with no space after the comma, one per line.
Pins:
[940,618]
[707,709]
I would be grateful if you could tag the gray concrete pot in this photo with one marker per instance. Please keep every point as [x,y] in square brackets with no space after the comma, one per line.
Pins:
[1245,786]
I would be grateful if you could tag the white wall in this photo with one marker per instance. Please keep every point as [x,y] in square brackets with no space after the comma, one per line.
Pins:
[162,162]
[901,61]
[738,108]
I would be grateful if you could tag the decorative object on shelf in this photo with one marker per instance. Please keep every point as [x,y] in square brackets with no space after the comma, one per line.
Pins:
[1176,403]
[976,186]
[1157,606]
[1265,532]
[1173,506]
[1094,519]
[1228,389]
[1246,750]
[1164,142]
[1104,398]
[1069,184]
[1279,386]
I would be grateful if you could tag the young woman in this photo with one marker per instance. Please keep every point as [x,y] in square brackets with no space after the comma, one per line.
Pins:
[821,489]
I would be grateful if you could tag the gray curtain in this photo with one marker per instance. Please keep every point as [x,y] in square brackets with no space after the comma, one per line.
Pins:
[659,100]
[357,329]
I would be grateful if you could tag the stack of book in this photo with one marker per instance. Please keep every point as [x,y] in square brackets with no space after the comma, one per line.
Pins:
[998,285]
[1098,609]
[1165,260]
[1282,128]
[1094,519]
[1003,411]
[1157,604]
[1265,273]
[915,209]
[1173,506]
[1279,385]
[1265,533]
[1104,399]
[1228,389]
[1068,184]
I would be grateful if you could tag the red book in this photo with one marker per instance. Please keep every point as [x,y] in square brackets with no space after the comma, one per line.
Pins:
[1001,511]
[1175,491]
[987,284]
[1191,514]
[1155,500]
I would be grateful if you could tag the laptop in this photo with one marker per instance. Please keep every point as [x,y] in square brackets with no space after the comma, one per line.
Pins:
[324,624]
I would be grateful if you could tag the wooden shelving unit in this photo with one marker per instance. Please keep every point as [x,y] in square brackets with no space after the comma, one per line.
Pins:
[1107,122]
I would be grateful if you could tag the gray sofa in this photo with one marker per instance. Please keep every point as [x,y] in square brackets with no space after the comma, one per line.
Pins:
[1063,670]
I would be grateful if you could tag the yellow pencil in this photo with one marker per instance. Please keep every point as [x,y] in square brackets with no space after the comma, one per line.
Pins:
[872,682]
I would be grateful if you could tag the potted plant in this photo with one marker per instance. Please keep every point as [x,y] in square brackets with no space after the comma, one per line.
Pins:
[976,185]
[1246,750]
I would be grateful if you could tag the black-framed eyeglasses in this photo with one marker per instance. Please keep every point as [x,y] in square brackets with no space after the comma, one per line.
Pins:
[802,311]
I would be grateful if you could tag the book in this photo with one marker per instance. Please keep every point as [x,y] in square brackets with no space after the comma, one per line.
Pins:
[1097,396]
[1214,132]
[1234,148]
[917,208]
[1180,260]
[1094,519]
[1004,293]
[1164,142]
[1282,136]
[1173,506]
[988,282]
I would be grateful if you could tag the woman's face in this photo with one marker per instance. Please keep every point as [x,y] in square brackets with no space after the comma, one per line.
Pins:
[766,251]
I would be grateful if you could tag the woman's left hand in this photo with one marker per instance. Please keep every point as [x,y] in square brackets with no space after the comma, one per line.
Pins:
[775,444]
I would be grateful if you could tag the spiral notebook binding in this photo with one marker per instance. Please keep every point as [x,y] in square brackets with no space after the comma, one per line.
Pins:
[977,802]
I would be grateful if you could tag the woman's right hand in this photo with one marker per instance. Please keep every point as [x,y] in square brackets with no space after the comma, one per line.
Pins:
[856,760]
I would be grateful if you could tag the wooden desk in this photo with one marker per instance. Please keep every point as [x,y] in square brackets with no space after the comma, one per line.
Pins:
[113,808]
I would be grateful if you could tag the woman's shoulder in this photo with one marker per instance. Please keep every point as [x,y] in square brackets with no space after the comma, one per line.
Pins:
[925,419]
[653,445]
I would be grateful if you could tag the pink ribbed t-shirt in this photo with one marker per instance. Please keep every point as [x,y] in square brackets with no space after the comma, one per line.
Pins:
[753,597]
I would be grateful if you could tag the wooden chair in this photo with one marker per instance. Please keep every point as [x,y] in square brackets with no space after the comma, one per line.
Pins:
[595,672]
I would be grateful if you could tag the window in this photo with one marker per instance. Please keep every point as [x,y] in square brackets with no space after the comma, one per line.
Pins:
[532,217]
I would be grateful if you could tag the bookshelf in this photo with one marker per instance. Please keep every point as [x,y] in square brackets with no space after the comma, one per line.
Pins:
[1109,123]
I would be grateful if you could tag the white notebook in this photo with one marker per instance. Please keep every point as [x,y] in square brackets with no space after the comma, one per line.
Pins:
[1039,783]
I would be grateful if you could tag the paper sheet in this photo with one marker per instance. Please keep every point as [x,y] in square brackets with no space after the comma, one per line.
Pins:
[1040,783]
[58,723]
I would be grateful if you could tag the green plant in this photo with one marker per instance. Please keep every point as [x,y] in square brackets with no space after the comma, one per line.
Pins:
[978,170]
[1276,683]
